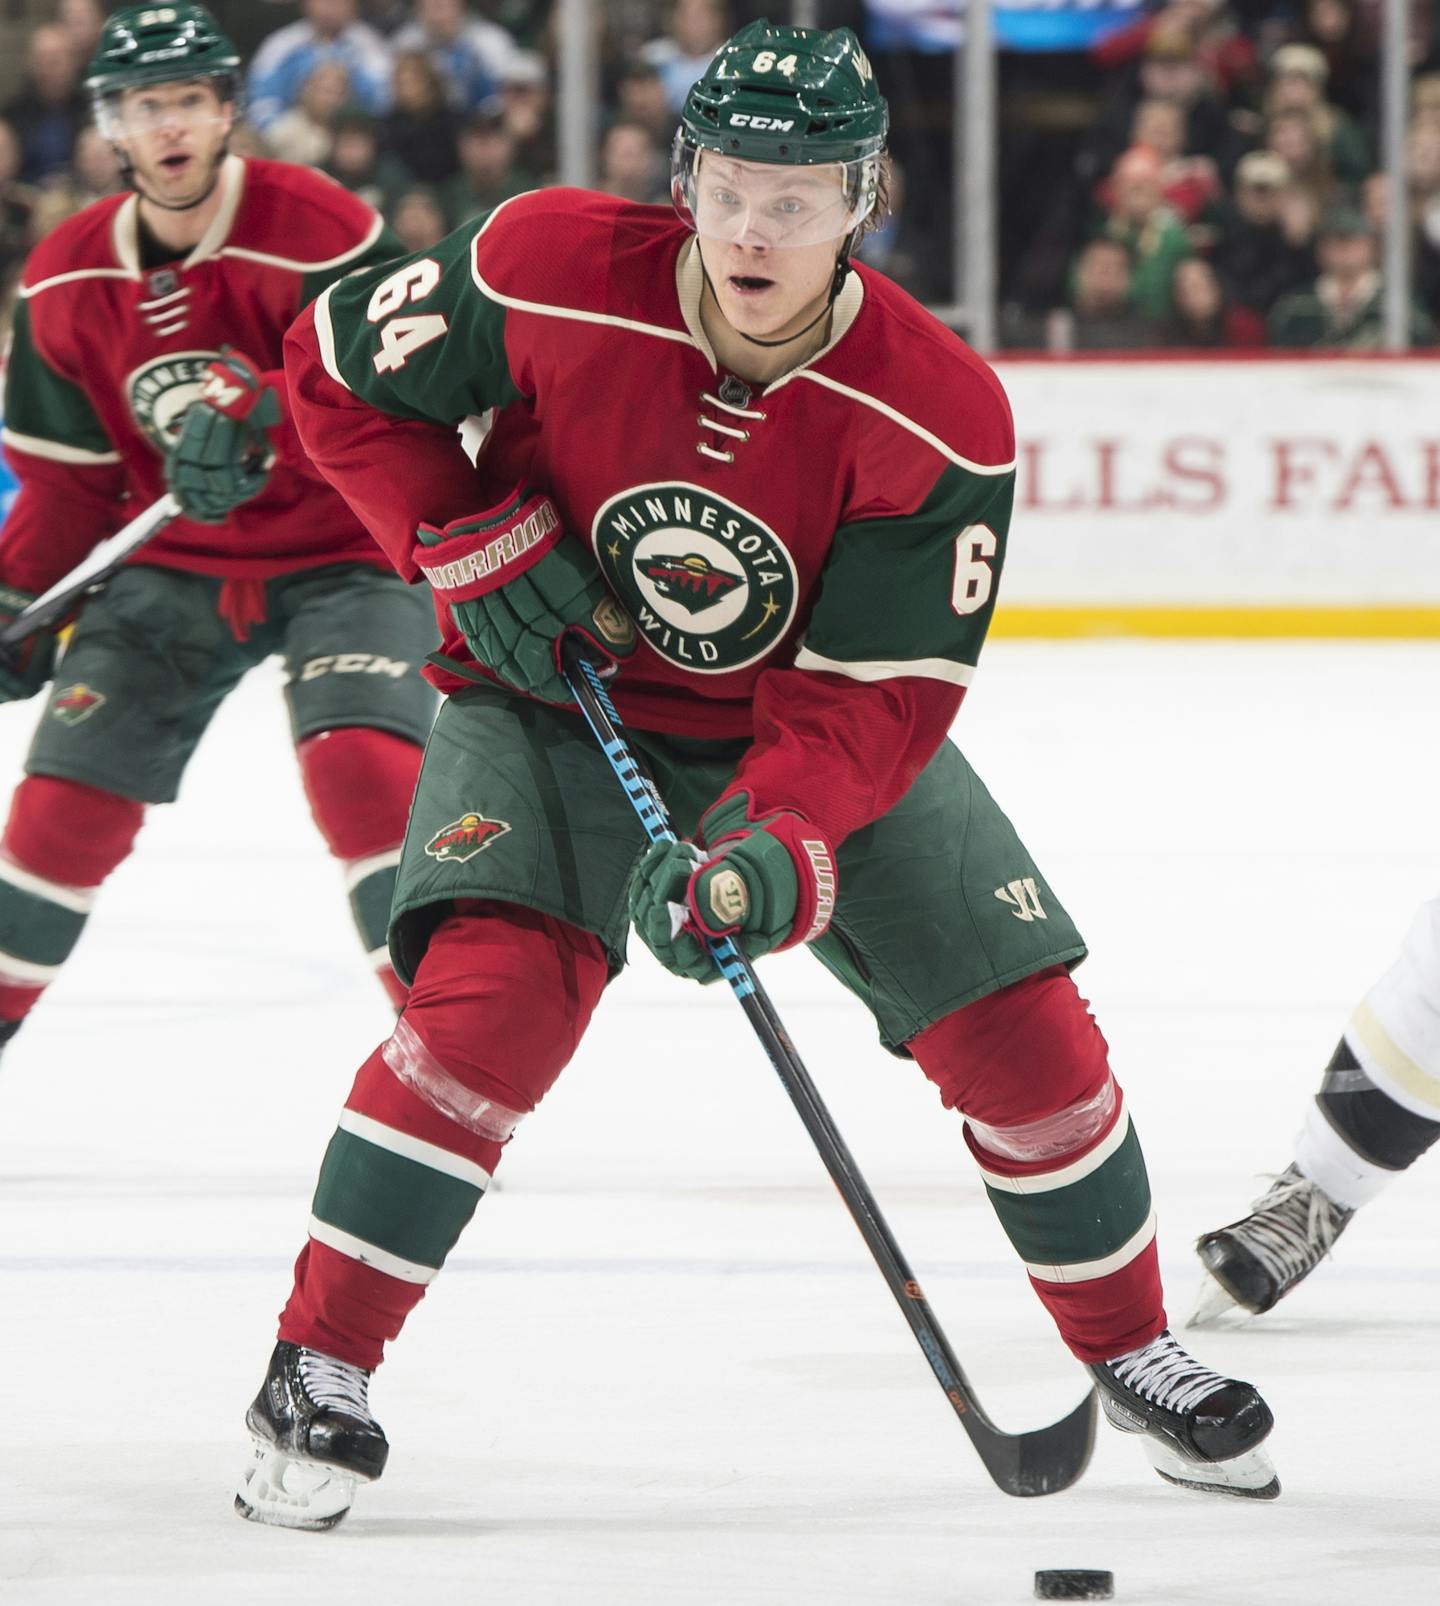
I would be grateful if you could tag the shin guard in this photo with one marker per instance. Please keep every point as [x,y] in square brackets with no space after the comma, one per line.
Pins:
[61,841]
[499,1004]
[1060,1159]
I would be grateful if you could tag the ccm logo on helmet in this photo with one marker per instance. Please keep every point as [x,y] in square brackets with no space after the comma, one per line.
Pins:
[781,125]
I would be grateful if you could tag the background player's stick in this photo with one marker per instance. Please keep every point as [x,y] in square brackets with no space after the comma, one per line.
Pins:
[1040,1462]
[90,573]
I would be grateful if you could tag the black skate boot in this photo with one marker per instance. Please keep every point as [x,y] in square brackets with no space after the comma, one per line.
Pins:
[1253,1263]
[1202,1431]
[314,1440]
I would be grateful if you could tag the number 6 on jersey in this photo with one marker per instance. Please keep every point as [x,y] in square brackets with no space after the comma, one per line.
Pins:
[401,336]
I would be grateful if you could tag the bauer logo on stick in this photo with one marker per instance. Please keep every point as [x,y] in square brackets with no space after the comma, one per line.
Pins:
[463,838]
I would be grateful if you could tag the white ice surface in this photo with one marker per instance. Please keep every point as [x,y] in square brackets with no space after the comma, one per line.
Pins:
[660,1367]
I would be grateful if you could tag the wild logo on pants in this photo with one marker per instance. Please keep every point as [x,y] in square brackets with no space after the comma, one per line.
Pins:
[463,838]
[76,703]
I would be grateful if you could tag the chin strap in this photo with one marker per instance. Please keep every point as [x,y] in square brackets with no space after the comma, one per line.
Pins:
[127,173]
[842,268]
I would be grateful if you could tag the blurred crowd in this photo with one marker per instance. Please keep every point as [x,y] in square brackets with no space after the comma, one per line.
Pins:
[1205,176]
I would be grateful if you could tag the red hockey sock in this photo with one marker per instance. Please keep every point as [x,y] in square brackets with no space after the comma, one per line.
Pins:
[60,842]
[499,1004]
[359,783]
[1061,1162]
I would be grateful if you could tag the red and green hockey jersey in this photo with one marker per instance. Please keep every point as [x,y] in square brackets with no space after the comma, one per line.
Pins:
[811,563]
[108,354]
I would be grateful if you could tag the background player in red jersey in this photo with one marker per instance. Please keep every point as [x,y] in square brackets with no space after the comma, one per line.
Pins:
[147,353]
[778,493]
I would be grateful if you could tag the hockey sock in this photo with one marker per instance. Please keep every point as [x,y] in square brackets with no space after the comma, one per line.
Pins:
[1357,1139]
[1061,1162]
[499,1004]
[60,842]
[359,783]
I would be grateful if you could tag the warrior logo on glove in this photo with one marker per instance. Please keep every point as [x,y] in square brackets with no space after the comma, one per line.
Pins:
[711,587]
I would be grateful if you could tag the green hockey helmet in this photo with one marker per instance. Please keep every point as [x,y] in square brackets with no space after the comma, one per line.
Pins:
[787,98]
[142,45]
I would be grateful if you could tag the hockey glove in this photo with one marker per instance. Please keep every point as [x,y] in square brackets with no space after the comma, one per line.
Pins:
[514,585]
[223,456]
[769,883]
[26,667]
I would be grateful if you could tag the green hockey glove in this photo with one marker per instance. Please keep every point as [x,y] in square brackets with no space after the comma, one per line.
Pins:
[222,456]
[514,585]
[769,883]
[24,668]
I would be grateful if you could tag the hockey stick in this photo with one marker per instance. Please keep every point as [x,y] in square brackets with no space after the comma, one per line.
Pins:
[92,571]
[1040,1462]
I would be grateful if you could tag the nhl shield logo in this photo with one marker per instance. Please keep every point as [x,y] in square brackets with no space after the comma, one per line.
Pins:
[710,587]
[75,703]
[463,838]
[161,390]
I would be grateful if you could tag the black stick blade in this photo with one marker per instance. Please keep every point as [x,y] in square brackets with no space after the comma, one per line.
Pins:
[1041,1461]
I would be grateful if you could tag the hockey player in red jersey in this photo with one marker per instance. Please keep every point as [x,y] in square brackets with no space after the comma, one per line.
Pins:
[147,353]
[778,494]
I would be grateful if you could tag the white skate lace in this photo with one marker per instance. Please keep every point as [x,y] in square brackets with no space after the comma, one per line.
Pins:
[335,1384]
[1165,1375]
[1293,1226]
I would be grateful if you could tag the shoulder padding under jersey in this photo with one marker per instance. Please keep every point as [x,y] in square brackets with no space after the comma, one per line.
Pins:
[905,368]
[298,217]
[583,251]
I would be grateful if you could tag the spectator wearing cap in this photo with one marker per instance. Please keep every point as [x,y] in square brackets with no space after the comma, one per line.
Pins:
[305,133]
[1202,315]
[1102,313]
[1343,309]
[525,111]
[328,31]
[470,54]
[360,162]
[51,108]
[1298,76]
[487,173]
[421,128]
[1259,254]
[1148,228]
[694,31]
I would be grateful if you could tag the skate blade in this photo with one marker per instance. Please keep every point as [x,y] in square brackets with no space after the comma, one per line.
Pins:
[1250,1476]
[1217,1308]
[284,1492]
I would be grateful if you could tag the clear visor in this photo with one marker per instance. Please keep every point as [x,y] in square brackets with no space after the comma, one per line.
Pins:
[770,204]
[135,112]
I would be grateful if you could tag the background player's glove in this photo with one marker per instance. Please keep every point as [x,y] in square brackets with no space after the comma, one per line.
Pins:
[514,585]
[222,456]
[769,883]
[24,669]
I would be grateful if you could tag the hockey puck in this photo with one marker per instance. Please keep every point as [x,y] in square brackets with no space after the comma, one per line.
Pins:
[1074,1583]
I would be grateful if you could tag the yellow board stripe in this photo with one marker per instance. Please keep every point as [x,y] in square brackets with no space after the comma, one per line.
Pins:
[1145,619]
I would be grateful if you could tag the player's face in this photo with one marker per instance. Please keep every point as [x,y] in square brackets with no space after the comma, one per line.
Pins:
[173,135]
[769,237]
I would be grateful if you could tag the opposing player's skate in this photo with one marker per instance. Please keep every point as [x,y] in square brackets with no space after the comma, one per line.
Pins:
[1254,1262]
[315,1439]
[1201,1430]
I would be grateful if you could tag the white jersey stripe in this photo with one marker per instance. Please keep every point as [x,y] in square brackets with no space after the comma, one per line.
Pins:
[429,1155]
[25,972]
[56,451]
[294,264]
[887,669]
[26,291]
[406,1271]
[325,334]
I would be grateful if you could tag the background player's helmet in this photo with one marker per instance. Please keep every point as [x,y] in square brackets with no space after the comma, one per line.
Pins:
[142,45]
[792,97]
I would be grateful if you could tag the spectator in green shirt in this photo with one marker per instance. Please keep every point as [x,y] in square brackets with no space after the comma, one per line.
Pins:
[1150,229]
[1343,309]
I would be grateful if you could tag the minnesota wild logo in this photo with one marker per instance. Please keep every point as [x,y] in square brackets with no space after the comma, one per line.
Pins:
[159,392]
[710,587]
[463,838]
[75,703]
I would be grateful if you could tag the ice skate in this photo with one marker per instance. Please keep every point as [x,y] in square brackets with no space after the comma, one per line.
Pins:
[1253,1263]
[1201,1430]
[314,1440]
